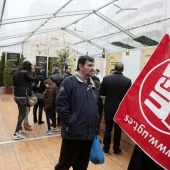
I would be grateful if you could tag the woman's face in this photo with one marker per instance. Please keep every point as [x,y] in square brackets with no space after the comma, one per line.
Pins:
[47,85]
[32,68]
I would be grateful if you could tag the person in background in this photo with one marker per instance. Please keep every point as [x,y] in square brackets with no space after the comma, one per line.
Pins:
[114,88]
[22,79]
[57,78]
[93,76]
[39,89]
[141,161]
[49,97]
[67,71]
[76,103]
[112,71]
[99,75]
[100,102]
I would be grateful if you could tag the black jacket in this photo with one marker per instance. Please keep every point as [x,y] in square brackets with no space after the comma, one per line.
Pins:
[57,78]
[95,78]
[66,74]
[22,83]
[114,88]
[39,77]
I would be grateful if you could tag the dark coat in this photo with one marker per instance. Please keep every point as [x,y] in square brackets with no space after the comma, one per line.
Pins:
[22,83]
[49,94]
[39,77]
[57,78]
[114,88]
[65,74]
[77,107]
[95,79]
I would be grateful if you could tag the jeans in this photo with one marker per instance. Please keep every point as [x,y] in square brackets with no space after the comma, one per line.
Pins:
[50,115]
[107,135]
[22,107]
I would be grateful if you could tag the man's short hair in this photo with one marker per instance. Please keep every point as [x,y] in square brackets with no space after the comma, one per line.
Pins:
[82,60]
[66,67]
[119,67]
[55,70]
[98,70]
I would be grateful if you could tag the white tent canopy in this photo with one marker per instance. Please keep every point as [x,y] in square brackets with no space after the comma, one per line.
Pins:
[83,25]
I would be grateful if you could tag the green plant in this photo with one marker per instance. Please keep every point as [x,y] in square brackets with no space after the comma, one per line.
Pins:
[2,66]
[62,60]
[21,60]
[59,62]
[8,82]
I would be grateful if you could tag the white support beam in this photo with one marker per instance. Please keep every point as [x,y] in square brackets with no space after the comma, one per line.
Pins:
[2,13]
[103,6]
[114,24]
[25,19]
[48,19]
[85,39]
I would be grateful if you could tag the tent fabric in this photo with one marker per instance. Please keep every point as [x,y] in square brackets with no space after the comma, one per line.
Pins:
[85,25]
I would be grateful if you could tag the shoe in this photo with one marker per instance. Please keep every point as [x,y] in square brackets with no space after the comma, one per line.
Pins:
[35,121]
[23,132]
[117,152]
[54,129]
[106,152]
[27,126]
[18,136]
[40,122]
[48,132]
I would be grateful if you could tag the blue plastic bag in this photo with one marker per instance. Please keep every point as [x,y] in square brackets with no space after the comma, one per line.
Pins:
[96,153]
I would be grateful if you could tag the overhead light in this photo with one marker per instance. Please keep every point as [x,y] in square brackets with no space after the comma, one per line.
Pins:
[127,51]
[103,53]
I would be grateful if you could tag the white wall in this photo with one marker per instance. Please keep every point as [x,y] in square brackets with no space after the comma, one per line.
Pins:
[13,49]
[131,64]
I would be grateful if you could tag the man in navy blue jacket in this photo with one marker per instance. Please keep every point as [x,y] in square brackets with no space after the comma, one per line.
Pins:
[76,103]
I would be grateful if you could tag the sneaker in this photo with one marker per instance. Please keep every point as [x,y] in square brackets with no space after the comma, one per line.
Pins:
[18,136]
[106,152]
[54,129]
[24,132]
[48,132]
[117,152]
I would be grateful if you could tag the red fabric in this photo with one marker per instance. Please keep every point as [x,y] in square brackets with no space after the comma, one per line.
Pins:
[144,113]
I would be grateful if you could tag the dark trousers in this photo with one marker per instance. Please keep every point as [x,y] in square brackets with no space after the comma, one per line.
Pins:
[39,105]
[50,115]
[22,107]
[141,161]
[54,111]
[107,135]
[74,153]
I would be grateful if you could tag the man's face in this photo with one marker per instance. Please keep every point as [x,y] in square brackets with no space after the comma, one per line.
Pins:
[87,70]
[69,69]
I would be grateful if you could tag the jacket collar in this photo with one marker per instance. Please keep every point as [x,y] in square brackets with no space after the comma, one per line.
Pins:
[80,79]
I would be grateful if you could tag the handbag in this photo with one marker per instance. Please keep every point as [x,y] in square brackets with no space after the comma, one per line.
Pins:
[32,100]
[96,153]
[40,95]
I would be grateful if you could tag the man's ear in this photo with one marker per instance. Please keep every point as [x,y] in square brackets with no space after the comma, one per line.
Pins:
[80,66]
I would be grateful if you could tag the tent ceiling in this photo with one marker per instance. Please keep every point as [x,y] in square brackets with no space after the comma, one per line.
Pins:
[90,24]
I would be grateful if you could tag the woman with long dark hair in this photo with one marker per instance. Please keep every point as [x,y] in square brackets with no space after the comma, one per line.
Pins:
[22,79]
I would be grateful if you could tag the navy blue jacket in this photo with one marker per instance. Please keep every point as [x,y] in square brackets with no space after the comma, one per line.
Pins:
[77,107]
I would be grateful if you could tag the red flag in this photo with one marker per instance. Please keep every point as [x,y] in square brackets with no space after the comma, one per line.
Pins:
[144,113]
